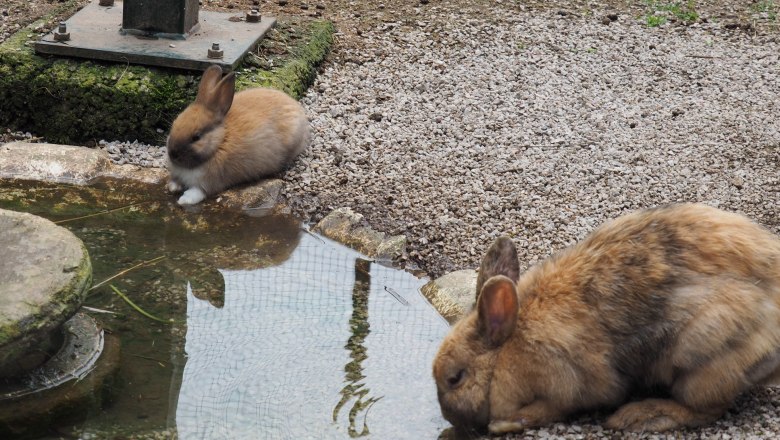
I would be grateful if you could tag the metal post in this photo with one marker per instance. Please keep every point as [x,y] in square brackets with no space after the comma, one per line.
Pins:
[166,18]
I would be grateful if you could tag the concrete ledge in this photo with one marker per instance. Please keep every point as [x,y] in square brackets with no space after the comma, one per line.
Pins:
[83,166]
[30,417]
[51,163]
[72,101]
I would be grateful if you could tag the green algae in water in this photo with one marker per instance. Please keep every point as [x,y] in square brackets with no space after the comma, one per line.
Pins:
[276,333]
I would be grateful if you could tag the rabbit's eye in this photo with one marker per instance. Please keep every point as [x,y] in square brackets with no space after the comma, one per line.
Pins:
[453,381]
[196,137]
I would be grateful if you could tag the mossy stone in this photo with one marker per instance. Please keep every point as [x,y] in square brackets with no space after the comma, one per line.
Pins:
[44,276]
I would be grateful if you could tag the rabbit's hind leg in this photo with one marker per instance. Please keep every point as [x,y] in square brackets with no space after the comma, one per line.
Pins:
[660,415]
[703,392]
[700,394]
[728,343]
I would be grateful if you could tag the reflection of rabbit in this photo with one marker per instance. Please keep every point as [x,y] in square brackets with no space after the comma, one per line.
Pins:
[683,300]
[219,141]
[198,253]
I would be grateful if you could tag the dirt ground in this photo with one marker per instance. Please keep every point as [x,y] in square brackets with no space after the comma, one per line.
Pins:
[353,17]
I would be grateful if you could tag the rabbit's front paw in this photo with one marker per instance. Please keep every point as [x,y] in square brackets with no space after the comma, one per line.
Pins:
[506,426]
[538,413]
[192,196]
[174,186]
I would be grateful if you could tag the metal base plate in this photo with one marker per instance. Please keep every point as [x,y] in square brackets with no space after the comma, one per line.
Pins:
[95,33]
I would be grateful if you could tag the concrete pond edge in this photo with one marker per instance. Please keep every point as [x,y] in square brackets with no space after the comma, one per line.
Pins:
[451,294]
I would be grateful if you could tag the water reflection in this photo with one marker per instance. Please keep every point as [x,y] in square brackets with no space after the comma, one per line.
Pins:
[277,334]
[271,363]
[360,327]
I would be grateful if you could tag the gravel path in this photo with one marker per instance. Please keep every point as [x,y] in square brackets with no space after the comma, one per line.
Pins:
[456,122]
[454,129]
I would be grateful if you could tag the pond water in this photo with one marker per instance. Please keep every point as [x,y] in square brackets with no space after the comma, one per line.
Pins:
[265,330]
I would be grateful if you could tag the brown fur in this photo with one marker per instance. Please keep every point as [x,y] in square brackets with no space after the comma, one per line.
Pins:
[683,299]
[253,134]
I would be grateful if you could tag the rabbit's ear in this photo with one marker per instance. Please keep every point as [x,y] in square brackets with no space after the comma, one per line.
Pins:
[209,80]
[497,309]
[500,259]
[222,96]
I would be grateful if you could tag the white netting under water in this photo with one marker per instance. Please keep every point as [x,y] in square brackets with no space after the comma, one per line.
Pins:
[325,345]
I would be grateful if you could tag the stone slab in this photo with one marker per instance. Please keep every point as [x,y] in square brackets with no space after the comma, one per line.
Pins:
[44,276]
[52,163]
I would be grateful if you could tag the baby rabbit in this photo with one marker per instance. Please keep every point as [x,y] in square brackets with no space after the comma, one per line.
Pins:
[221,140]
[681,301]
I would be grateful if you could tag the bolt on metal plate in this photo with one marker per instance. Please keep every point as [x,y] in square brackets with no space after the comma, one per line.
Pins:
[253,16]
[62,34]
[215,51]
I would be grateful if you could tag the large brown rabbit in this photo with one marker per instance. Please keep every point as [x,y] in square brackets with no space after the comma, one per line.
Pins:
[680,301]
[221,140]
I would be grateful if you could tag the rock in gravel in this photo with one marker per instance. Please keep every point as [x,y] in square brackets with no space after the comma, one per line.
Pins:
[452,294]
[350,228]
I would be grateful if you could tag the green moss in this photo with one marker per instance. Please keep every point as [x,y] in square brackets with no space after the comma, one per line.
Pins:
[8,333]
[73,294]
[297,68]
[74,101]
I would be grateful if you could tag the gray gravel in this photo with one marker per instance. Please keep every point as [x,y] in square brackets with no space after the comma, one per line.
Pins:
[457,129]
[136,153]
[454,124]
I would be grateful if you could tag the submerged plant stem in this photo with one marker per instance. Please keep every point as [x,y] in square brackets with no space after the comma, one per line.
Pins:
[100,213]
[119,274]
[133,305]
[92,309]
[149,359]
